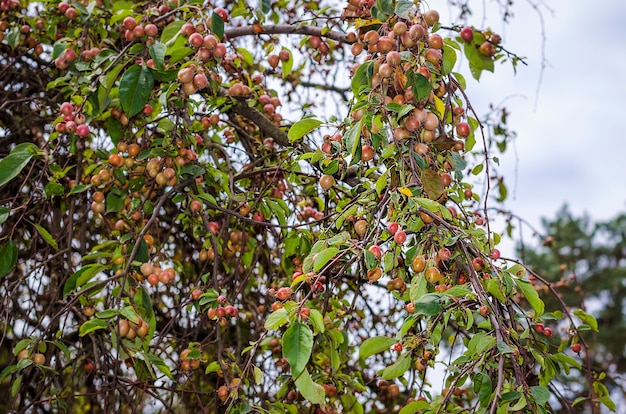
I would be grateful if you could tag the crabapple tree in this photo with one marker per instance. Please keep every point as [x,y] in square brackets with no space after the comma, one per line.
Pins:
[265,206]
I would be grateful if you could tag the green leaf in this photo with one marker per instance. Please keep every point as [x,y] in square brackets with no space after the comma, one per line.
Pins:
[480,343]
[171,32]
[430,304]
[402,10]
[309,389]
[375,345]
[266,6]
[297,347]
[317,320]
[386,6]
[14,163]
[92,325]
[362,77]
[4,215]
[8,258]
[288,65]
[608,403]
[477,61]
[277,319]
[420,85]
[483,385]
[418,288]
[531,296]
[46,236]
[449,59]
[157,52]
[135,88]
[82,276]
[398,368]
[352,141]
[158,362]
[587,318]
[320,259]
[302,127]
[540,394]
[217,25]
[415,406]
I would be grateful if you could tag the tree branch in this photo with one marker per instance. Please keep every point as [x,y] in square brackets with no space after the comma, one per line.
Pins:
[289,29]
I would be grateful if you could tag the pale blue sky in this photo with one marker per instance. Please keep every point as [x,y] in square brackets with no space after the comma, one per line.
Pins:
[570,127]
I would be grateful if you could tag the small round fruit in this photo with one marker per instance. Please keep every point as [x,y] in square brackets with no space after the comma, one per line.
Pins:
[467,34]
[375,250]
[367,153]
[360,227]
[393,227]
[462,129]
[547,332]
[495,254]
[484,311]
[397,347]
[576,347]
[399,237]
[431,17]
[129,23]
[478,264]
[39,358]
[284,293]
[487,49]
[444,254]
[374,274]
[433,275]
[539,328]
[419,263]
[222,393]
[326,182]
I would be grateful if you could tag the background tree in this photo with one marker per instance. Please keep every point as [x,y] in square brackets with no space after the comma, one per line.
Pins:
[188,226]
[585,261]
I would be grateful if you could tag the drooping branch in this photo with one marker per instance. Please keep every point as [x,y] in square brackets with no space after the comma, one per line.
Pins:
[290,29]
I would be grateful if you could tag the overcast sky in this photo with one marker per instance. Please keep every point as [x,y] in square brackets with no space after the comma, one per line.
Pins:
[569,126]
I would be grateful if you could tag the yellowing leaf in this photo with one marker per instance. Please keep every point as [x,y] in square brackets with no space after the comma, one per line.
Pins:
[405,191]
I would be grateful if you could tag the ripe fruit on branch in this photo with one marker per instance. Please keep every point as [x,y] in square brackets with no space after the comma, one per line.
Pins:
[399,237]
[360,227]
[444,254]
[393,227]
[576,347]
[478,264]
[367,153]
[419,263]
[431,17]
[433,275]
[435,41]
[374,274]
[39,359]
[326,182]
[284,293]
[375,250]
[487,49]
[467,34]
[462,129]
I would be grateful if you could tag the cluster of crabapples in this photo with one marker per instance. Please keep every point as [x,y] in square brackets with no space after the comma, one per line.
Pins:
[155,275]
[37,357]
[187,362]
[72,122]
[130,330]
[222,311]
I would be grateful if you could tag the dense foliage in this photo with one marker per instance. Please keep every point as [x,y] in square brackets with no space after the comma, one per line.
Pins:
[261,207]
